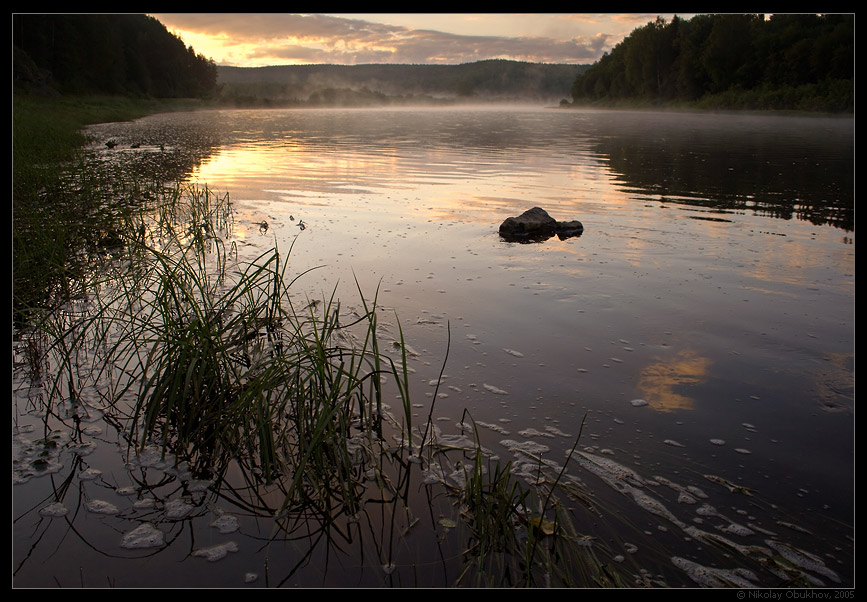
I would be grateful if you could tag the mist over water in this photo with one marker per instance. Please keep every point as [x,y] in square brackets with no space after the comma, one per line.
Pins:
[702,324]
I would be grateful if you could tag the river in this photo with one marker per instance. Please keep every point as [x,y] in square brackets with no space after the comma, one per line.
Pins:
[701,326]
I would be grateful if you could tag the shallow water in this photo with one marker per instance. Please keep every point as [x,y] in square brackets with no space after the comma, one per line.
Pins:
[714,280]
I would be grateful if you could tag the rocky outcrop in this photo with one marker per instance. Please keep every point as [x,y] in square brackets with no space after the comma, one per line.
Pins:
[536,225]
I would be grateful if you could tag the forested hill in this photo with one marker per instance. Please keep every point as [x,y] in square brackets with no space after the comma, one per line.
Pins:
[802,62]
[122,54]
[489,80]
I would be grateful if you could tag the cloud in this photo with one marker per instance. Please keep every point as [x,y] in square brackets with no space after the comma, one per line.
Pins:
[264,39]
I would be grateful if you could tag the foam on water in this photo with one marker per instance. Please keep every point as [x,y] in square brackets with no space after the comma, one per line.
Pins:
[610,471]
[33,458]
[712,577]
[101,507]
[652,505]
[494,427]
[556,432]
[226,523]
[176,509]
[531,448]
[55,509]
[738,530]
[684,495]
[145,536]
[89,474]
[217,552]
[803,559]
[531,432]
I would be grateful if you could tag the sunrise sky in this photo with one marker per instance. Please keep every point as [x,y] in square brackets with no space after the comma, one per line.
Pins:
[252,40]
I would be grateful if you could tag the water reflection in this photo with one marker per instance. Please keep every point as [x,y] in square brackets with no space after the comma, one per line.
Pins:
[662,382]
[784,168]
[795,168]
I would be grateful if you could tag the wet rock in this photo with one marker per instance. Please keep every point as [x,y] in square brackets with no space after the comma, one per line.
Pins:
[535,225]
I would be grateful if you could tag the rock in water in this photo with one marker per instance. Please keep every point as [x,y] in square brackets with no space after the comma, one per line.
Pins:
[532,221]
[536,225]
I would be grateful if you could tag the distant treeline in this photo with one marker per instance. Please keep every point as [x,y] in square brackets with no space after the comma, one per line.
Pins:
[121,54]
[789,61]
[489,80]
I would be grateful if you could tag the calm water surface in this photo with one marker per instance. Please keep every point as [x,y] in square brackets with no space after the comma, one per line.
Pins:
[714,280]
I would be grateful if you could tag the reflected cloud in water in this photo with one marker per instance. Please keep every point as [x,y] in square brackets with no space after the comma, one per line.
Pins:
[659,382]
